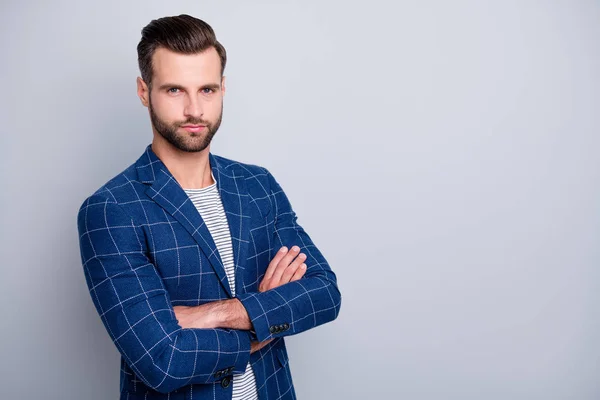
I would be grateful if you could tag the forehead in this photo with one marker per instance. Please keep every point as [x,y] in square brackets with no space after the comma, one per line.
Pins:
[186,69]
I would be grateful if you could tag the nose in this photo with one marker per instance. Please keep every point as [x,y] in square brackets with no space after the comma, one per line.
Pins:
[193,108]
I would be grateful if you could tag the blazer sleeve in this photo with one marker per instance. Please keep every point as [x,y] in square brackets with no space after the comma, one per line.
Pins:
[136,310]
[300,305]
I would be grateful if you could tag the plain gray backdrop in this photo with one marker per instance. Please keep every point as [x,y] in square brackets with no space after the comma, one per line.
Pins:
[444,156]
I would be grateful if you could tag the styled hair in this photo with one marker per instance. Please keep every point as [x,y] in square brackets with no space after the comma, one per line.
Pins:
[182,34]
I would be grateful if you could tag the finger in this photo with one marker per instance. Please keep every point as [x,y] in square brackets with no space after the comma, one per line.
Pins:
[299,273]
[256,346]
[273,264]
[292,268]
[283,264]
[266,342]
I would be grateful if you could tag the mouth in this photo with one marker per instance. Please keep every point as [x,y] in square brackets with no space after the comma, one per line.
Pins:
[193,128]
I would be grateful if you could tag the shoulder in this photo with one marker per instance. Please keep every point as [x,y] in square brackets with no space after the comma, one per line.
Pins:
[248,169]
[255,174]
[120,189]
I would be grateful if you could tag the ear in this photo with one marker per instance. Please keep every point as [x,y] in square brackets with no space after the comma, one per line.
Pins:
[142,91]
[223,85]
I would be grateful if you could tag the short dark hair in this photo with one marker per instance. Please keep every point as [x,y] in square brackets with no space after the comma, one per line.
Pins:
[182,34]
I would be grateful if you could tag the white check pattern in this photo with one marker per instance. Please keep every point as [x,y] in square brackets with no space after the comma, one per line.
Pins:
[145,248]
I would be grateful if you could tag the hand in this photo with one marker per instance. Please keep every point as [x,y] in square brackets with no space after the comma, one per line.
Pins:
[255,346]
[286,266]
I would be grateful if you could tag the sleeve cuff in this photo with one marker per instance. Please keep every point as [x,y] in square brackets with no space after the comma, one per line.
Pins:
[257,316]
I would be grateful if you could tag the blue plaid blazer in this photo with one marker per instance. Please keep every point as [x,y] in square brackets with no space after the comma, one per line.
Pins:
[144,249]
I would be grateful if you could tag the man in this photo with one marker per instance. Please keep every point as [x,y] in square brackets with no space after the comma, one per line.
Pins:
[195,262]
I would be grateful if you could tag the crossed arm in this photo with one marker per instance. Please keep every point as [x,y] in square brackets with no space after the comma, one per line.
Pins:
[286,266]
[136,308]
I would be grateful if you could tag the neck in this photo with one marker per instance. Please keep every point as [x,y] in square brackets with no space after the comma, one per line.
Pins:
[190,170]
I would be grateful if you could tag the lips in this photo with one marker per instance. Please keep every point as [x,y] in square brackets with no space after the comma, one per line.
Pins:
[193,128]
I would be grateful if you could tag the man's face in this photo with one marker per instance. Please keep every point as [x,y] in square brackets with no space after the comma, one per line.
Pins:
[186,98]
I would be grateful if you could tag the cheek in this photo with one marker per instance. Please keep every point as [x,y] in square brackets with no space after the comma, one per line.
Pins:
[168,109]
[214,108]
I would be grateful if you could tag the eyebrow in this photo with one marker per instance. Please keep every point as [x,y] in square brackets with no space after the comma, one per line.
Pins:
[213,86]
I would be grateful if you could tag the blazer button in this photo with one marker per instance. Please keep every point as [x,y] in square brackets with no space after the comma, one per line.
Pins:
[273,329]
[286,326]
[226,382]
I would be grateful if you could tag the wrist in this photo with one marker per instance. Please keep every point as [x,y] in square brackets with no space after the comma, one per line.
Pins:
[235,315]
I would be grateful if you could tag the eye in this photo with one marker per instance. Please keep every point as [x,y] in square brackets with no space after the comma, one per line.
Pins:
[173,90]
[207,90]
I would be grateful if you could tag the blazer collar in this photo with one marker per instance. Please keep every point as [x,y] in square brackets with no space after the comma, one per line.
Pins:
[231,183]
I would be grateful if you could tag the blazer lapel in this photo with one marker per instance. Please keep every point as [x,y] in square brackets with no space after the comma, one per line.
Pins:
[166,192]
[234,196]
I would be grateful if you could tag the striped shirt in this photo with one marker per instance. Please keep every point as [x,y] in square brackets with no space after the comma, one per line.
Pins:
[208,203]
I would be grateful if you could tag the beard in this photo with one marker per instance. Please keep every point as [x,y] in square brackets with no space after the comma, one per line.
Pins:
[190,141]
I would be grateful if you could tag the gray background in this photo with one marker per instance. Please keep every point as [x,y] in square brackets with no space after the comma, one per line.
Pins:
[443,155]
